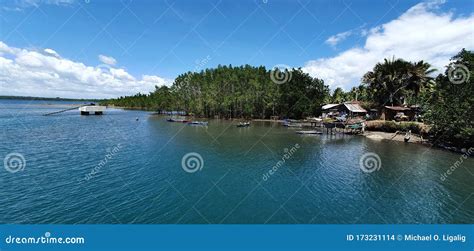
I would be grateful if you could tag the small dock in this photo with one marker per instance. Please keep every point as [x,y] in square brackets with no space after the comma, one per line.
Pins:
[95,109]
[83,109]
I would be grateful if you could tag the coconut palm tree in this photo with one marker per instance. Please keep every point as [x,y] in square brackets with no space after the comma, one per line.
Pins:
[419,76]
[392,80]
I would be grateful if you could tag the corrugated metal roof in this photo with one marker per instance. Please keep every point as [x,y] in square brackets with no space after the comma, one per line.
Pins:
[398,108]
[329,106]
[354,107]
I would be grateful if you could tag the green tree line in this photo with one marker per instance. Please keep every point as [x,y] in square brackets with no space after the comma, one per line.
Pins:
[251,92]
[236,92]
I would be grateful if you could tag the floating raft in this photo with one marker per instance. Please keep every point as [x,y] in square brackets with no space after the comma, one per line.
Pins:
[96,109]
[309,132]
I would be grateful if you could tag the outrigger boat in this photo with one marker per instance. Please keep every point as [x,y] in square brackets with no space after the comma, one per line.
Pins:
[177,120]
[309,132]
[292,125]
[198,123]
[407,136]
[243,124]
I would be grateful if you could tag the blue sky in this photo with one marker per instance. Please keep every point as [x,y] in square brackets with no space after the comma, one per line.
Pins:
[146,42]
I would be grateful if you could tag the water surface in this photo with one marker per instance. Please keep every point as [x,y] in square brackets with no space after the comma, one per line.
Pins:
[139,177]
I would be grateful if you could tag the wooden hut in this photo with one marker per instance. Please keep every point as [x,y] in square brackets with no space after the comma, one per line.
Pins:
[329,110]
[352,109]
[347,109]
[398,113]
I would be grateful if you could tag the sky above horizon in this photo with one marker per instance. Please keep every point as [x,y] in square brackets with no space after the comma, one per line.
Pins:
[105,48]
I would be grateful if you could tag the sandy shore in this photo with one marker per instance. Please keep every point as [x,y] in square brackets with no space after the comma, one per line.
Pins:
[395,137]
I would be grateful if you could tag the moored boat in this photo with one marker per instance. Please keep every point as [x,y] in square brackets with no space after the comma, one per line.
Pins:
[199,123]
[177,120]
[243,124]
[309,132]
[292,125]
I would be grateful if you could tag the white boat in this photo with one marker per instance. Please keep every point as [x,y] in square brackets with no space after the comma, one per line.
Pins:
[243,124]
[200,123]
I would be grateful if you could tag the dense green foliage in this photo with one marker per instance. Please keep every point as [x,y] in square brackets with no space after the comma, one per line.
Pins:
[235,92]
[392,82]
[246,91]
[450,103]
[359,93]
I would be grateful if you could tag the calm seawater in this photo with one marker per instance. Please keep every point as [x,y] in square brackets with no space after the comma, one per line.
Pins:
[139,176]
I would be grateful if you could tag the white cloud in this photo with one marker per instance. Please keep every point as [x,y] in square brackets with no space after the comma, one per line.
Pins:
[51,52]
[421,33]
[31,73]
[154,79]
[107,60]
[19,5]
[335,39]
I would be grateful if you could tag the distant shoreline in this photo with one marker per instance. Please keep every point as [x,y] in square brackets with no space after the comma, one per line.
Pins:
[47,99]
